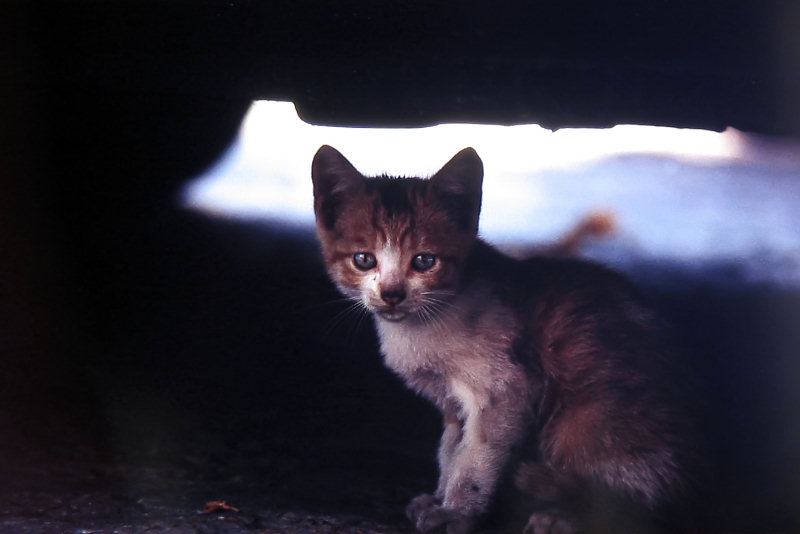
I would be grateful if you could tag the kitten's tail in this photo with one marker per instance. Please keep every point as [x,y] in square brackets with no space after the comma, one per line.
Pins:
[595,225]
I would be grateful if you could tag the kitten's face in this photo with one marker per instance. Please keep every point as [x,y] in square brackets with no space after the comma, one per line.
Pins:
[396,245]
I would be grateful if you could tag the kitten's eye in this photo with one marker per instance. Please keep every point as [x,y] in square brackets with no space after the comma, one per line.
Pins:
[423,262]
[364,261]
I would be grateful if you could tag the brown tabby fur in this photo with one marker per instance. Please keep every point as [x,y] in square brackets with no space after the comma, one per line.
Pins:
[547,371]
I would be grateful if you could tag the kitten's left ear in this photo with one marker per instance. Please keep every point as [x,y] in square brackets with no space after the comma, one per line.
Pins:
[457,185]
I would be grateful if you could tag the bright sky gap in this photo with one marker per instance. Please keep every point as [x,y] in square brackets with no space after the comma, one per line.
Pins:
[677,194]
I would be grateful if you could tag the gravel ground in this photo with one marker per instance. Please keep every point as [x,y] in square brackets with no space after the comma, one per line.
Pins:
[59,479]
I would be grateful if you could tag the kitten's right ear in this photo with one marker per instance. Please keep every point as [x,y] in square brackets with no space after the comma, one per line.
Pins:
[457,186]
[335,179]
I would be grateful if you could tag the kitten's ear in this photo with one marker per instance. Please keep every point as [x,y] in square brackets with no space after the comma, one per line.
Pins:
[335,179]
[457,186]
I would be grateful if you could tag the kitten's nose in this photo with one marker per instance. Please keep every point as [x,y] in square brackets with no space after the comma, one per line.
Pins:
[393,297]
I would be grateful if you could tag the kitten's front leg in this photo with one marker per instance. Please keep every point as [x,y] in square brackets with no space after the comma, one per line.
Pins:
[451,438]
[488,434]
[423,505]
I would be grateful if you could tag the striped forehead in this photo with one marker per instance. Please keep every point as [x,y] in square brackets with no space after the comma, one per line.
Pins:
[395,233]
[396,197]
[396,206]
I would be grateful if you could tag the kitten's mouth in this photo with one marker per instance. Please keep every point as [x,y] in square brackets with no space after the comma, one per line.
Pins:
[392,315]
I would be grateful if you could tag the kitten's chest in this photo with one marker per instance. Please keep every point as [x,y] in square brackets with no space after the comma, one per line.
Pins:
[408,350]
[431,358]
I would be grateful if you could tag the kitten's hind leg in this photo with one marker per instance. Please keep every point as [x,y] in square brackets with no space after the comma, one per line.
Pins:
[566,503]
[553,491]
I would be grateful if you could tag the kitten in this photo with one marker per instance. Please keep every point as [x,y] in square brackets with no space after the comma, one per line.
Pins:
[548,371]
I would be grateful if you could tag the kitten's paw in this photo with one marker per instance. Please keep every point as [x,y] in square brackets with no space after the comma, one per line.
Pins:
[420,505]
[427,514]
[548,523]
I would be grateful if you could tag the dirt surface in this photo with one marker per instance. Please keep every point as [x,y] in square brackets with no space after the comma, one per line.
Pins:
[163,475]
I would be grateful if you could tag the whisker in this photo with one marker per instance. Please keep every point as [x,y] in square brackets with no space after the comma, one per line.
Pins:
[440,301]
[430,314]
[327,303]
[426,316]
[363,311]
[354,308]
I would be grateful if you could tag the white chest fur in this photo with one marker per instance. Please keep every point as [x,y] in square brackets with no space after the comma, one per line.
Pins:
[472,361]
